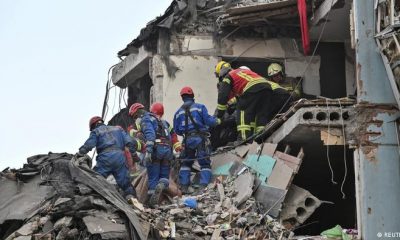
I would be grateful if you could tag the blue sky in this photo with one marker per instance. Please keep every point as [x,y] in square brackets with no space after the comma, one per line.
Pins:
[54,57]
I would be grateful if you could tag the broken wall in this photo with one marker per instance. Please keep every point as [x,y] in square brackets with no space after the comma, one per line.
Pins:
[253,50]
[194,71]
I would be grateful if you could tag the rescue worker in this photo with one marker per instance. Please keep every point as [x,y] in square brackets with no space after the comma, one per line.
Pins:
[255,103]
[158,151]
[192,121]
[134,131]
[110,143]
[158,109]
[276,74]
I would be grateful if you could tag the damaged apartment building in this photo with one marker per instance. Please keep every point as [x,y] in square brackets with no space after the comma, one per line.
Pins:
[348,134]
[332,161]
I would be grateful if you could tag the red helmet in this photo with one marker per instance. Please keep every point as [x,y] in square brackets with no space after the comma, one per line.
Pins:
[157,108]
[134,108]
[187,91]
[93,121]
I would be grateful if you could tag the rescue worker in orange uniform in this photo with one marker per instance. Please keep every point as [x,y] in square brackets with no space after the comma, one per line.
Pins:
[254,94]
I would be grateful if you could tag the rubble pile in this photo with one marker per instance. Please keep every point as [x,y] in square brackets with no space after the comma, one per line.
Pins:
[48,199]
[218,212]
[58,196]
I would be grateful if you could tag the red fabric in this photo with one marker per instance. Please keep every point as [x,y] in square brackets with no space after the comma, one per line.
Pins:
[302,7]
[129,161]
[174,138]
[240,78]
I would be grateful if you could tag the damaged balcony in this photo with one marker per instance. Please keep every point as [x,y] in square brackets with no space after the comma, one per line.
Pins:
[387,37]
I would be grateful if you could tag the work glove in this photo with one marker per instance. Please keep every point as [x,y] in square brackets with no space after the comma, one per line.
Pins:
[147,159]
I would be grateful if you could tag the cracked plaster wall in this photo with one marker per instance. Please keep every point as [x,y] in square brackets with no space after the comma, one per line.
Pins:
[194,71]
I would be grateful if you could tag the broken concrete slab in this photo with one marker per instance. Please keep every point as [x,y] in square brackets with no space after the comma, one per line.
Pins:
[25,230]
[105,228]
[298,206]
[24,198]
[61,201]
[216,234]
[23,238]
[271,198]
[281,176]
[63,222]
[224,159]
[62,234]
[176,211]
[244,188]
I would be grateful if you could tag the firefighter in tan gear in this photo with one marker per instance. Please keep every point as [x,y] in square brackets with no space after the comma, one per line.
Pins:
[276,74]
[254,94]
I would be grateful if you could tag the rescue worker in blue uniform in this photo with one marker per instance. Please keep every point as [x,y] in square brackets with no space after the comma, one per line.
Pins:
[158,151]
[192,121]
[110,143]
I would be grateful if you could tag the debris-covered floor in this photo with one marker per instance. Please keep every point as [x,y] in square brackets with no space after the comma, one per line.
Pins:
[55,196]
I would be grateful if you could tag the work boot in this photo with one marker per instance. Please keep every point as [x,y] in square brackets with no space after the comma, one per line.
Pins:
[155,198]
[185,189]
[200,189]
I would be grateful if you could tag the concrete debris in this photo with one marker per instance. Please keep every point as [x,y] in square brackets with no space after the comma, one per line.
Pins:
[270,198]
[244,188]
[214,219]
[68,209]
[63,222]
[26,230]
[105,227]
[244,203]
[299,205]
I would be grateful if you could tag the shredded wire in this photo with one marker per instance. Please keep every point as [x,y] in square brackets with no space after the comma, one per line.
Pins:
[115,99]
[327,145]
[106,97]
[344,152]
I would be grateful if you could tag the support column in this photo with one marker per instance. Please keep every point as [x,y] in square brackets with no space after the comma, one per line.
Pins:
[377,154]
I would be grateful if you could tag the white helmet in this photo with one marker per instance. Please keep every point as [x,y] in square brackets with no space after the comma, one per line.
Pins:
[244,67]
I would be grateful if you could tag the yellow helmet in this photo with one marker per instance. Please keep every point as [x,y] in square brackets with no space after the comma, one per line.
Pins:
[274,68]
[220,65]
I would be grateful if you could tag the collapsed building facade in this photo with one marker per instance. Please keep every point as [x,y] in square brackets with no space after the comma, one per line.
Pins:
[331,159]
[351,147]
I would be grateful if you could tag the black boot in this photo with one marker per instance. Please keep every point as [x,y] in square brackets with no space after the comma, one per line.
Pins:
[155,198]
[185,189]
